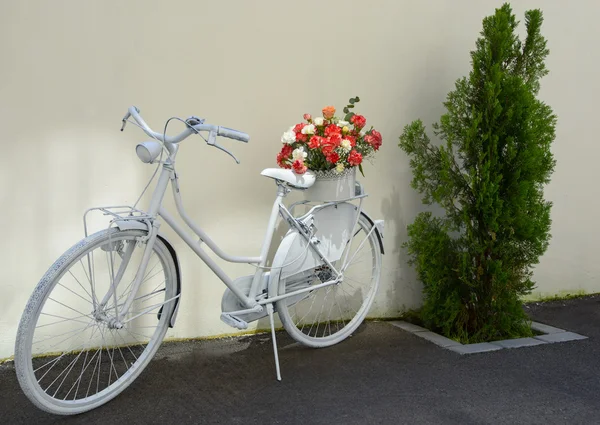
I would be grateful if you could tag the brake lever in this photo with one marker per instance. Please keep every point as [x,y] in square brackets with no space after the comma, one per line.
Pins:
[126,117]
[212,141]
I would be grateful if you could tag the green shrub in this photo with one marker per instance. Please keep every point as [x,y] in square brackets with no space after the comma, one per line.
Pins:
[488,174]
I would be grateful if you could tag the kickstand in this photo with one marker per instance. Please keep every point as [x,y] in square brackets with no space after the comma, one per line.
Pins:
[270,312]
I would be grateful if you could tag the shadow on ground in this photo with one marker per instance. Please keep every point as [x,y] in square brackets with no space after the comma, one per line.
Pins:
[380,375]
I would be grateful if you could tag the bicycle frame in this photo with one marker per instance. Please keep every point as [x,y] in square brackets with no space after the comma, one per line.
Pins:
[168,174]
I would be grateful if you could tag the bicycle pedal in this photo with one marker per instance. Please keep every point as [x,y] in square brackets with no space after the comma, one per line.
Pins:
[234,322]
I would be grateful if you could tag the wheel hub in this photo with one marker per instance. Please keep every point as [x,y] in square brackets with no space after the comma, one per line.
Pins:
[110,321]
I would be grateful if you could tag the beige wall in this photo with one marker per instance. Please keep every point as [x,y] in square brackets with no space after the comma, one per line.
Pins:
[70,69]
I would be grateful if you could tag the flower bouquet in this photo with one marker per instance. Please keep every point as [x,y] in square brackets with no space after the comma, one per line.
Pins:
[332,149]
[328,143]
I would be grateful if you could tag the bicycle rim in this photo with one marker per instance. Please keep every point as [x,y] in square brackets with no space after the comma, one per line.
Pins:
[70,356]
[328,315]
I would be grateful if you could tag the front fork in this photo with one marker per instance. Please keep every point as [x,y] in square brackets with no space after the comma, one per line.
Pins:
[119,313]
[120,310]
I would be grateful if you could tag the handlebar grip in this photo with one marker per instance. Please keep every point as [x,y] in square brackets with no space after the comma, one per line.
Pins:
[233,134]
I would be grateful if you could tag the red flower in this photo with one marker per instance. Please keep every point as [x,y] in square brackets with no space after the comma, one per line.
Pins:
[332,129]
[327,148]
[355,158]
[282,160]
[374,139]
[298,128]
[299,167]
[315,142]
[377,135]
[307,117]
[332,157]
[335,139]
[352,140]
[287,150]
[302,138]
[358,120]
[330,143]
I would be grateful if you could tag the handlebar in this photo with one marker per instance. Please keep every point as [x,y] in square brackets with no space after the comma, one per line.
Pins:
[214,129]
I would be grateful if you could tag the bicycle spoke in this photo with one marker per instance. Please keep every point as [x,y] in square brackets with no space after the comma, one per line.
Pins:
[153,307]
[70,308]
[65,319]
[63,334]
[127,345]
[78,381]
[146,278]
[93,373]
[68,289]
[121,352]
[79,283]
[69,368]
[110,369]
[54,363]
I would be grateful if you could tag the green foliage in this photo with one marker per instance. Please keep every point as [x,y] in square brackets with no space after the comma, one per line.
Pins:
[349,114]
[488,174]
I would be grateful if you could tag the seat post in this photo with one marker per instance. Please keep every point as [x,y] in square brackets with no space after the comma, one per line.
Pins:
[282,191]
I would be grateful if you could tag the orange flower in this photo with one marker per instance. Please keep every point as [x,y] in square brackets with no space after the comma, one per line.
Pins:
[328,112]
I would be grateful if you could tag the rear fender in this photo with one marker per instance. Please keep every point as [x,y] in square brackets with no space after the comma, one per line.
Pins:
[379,224]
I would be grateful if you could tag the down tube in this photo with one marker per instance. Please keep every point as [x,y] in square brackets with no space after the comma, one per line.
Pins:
[249,303]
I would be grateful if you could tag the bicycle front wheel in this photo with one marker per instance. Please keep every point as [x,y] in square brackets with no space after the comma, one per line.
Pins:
[328,315]
[71,353]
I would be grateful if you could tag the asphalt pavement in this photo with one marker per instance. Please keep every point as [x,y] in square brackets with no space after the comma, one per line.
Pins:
[381,375]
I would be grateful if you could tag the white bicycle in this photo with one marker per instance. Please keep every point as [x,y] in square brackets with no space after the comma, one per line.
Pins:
[100,312]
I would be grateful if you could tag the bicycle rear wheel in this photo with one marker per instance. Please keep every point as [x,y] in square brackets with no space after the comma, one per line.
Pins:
[70,356]
[328,315]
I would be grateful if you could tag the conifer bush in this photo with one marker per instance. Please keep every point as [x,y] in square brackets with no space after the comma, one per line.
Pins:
[487,172]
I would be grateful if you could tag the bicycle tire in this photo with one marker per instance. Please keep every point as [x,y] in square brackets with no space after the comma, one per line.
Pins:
[303,330]
[53,282]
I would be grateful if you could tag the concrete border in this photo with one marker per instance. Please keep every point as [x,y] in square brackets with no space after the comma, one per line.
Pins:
[549,335]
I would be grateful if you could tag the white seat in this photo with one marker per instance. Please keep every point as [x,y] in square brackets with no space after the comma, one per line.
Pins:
[300,181]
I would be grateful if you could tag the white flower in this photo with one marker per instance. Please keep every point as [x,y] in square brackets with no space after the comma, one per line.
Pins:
[319,120]
[339,168]
[308,129]
[299,154]
[343,123]
[289,136]
[346,145]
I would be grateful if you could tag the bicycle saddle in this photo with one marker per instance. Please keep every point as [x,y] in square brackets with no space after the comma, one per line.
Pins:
[298,181]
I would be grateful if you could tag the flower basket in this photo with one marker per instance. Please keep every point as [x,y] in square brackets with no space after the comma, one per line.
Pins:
[332,186]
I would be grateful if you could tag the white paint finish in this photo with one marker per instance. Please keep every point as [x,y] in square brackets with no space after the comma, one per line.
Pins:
[70,69]
[303,181]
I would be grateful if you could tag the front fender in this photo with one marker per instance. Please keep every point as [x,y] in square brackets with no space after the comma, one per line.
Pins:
[138,225]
